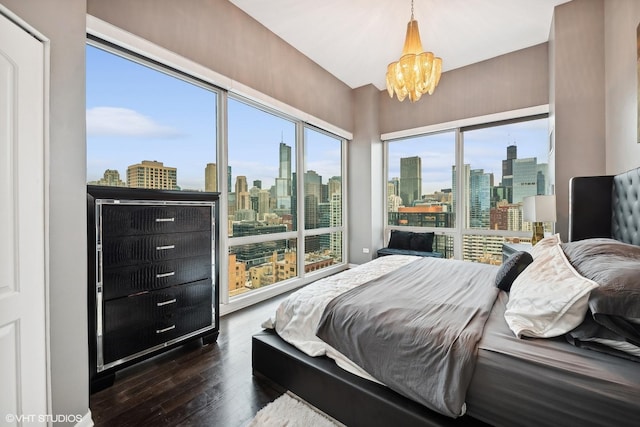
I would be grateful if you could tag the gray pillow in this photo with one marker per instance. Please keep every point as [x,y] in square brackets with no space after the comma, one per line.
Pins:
[511,268]
[615,267]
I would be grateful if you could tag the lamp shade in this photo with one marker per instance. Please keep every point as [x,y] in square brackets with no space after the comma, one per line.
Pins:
[539,208]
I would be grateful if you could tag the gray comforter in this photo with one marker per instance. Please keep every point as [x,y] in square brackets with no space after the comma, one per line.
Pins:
[416,329]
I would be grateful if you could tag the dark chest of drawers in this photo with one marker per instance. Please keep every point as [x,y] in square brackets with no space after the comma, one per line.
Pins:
[152,266]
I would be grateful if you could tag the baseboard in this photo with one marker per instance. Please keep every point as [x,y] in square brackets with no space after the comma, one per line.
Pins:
[86,420]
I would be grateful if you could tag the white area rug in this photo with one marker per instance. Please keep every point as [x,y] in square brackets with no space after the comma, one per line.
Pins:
[290,411]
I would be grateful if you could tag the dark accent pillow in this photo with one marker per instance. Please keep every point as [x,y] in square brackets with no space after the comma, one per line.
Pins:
[511,268]
[400,239]
[421,242]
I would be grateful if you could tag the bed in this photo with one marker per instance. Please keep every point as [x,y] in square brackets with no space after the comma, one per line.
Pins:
[511,360]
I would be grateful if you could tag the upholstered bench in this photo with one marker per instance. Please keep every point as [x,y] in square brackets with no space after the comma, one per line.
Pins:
[410,243]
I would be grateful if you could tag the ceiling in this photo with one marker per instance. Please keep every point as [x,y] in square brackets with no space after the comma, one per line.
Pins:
[355,40]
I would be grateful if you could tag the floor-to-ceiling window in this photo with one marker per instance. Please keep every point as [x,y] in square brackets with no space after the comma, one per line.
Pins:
[503,164]
[421,186]
[467,184]
[281,179]
[323,199]
[261,199]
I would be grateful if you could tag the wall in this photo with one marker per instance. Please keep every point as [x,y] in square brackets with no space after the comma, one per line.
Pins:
[218,35]
[63,22]
[508,82]
[621,85]
[578,97]
[365,178]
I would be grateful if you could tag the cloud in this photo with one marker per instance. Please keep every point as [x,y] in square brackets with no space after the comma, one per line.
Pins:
[114,121]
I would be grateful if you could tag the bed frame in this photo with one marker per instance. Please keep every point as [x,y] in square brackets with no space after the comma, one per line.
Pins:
[614,206]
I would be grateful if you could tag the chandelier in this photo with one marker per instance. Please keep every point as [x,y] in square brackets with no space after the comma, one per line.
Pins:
[416,72]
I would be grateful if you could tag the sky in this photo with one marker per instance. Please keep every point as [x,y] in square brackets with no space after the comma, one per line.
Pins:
[136,113]
[483,149]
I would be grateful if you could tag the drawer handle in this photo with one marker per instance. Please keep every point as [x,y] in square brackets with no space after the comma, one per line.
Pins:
[162,248]
[161,275]
[171,301]
[159,331]
[165,219]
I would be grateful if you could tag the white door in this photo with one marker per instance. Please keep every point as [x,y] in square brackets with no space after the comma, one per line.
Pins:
[23,344]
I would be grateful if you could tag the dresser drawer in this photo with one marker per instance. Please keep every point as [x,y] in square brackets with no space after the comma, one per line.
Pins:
[136,323]
[126,220]
[132,250]
[132,279]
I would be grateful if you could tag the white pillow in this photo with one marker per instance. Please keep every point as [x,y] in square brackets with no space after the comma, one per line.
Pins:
[545,245]
[549,298]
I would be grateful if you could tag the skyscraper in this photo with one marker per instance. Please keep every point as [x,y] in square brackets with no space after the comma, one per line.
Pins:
[410,179]
[211,177]
[152,174]
[283,181]
[336,221]
[313,184]
[334,185]
[242,193]
[284,170]
[507,172]
[542,179]
[525,178]
[480,184]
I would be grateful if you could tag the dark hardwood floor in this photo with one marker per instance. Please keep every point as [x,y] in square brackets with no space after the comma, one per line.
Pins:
[193,385]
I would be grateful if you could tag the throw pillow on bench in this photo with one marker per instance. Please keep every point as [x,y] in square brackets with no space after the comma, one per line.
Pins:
[409,240]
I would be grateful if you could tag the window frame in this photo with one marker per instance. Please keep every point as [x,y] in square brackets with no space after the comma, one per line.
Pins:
[459,127]
[120,42]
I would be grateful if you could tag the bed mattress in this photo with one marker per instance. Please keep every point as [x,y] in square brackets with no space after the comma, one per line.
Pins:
[516,380]
[549,381]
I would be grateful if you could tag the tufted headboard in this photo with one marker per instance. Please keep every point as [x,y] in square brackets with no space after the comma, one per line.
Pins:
[605,206]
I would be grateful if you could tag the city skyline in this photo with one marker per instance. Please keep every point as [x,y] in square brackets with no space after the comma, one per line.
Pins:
[129,120]
[483,149]
[137,113]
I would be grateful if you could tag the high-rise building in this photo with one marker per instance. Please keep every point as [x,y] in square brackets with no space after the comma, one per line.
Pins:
[312,198]
[263,203]
[283,193]
[480,184]
[283,181]
[507,172]
[284,170]
[111,177]
[410,179]
[313,184]
[394,186]
[335,244]
[152,174]
[334,185]
[542,179]
[525,178]
[211,177]
[243,200]
[311,211]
